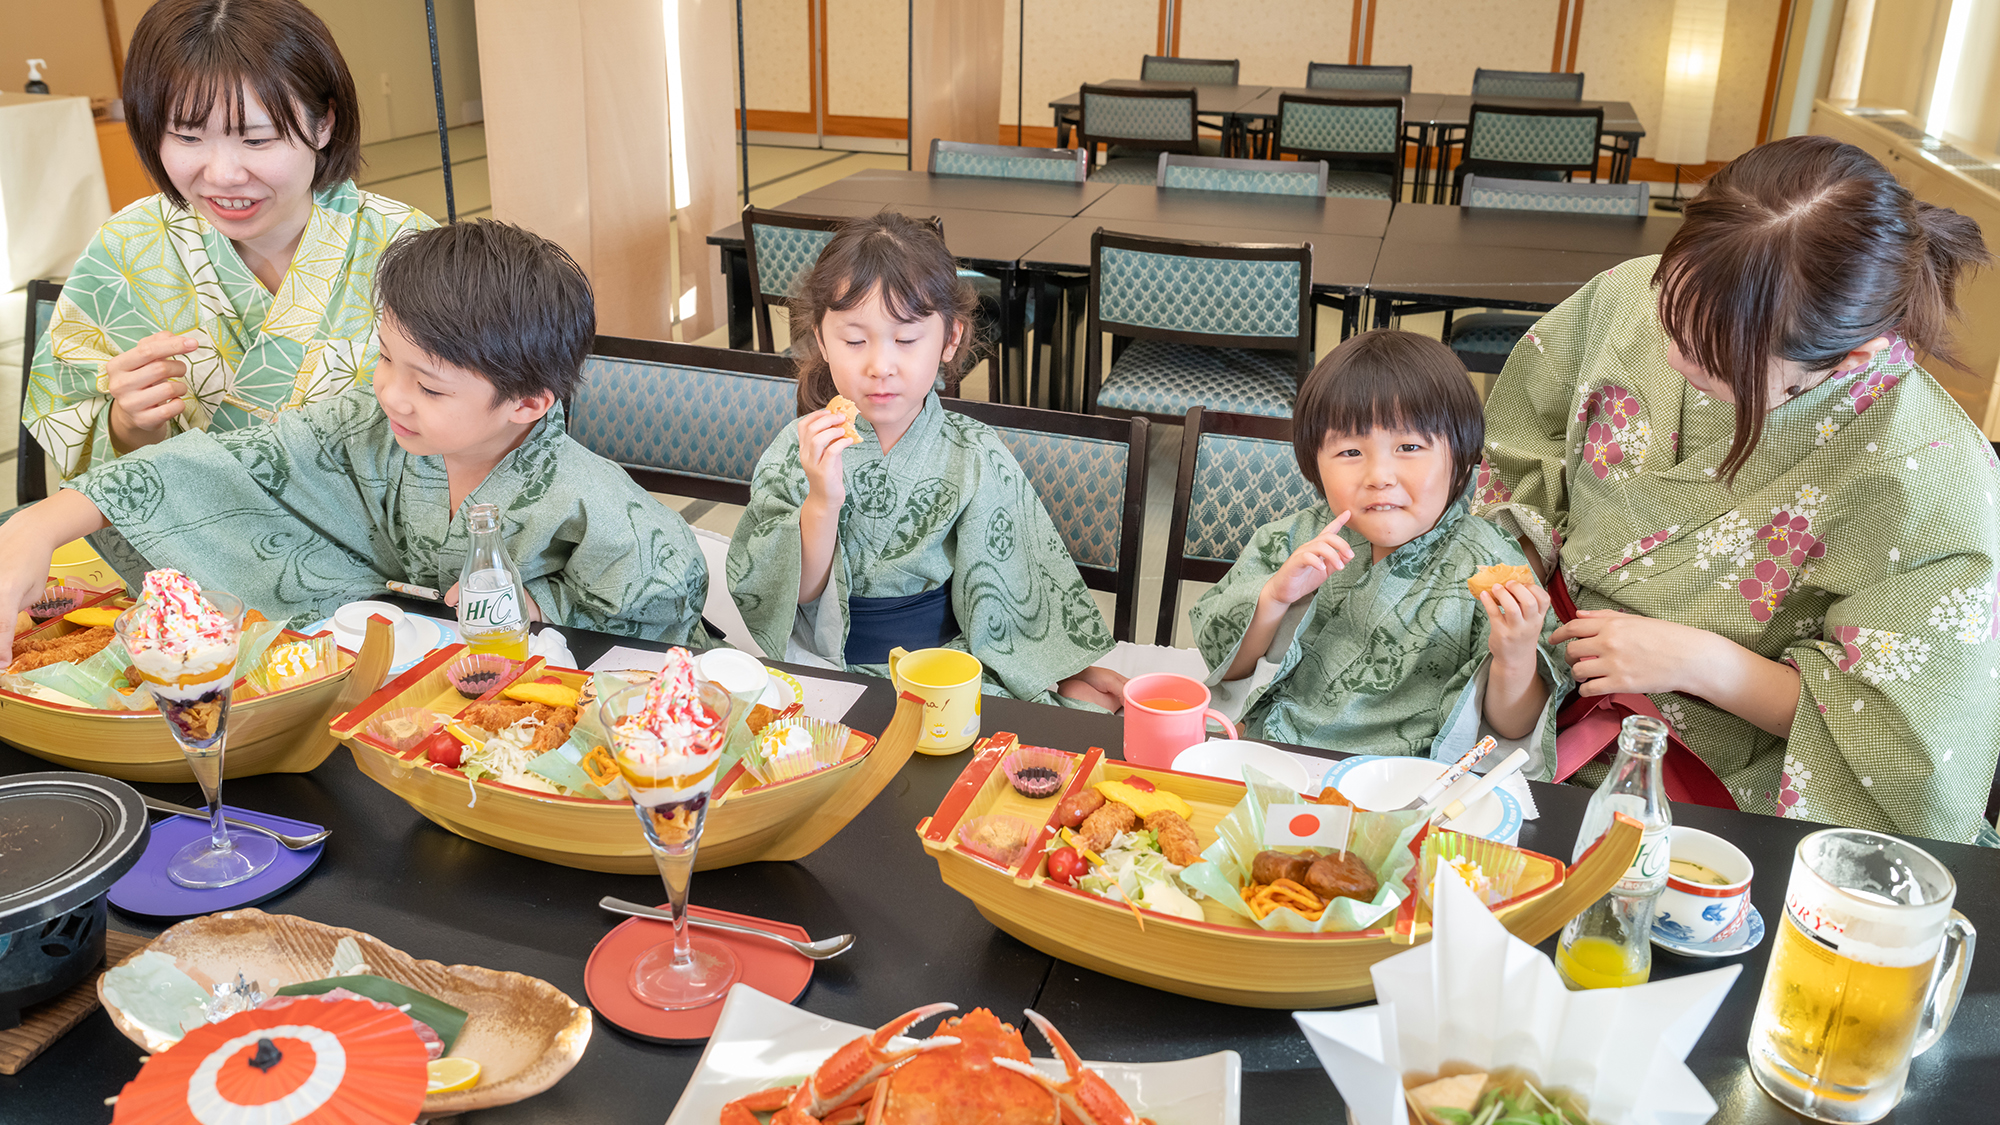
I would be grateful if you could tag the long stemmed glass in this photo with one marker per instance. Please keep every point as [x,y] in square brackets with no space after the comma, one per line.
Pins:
[192,691]
[689,971]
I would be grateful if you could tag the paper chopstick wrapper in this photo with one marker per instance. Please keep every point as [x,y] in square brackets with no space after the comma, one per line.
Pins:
[1477,995]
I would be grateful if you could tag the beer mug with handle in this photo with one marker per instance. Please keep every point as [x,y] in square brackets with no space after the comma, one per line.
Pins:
[1865,975]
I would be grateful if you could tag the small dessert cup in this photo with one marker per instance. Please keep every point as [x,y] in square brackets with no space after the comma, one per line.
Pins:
[478,673]
[786,756]
[1037,771]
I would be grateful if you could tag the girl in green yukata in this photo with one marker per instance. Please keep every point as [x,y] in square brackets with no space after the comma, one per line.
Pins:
[1776,526]
[924,533]
[246,286]
[1349,625]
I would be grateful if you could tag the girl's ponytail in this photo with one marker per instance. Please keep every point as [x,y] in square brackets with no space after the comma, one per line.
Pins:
[1950,245]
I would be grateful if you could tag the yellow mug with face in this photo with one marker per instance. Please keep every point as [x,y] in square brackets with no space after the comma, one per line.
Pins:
[947,680]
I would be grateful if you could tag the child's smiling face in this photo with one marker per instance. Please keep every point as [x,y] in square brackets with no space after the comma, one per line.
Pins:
[438,410]
[883,365]
[1397,483]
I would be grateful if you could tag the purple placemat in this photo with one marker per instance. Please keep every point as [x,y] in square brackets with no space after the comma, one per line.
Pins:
[146,889]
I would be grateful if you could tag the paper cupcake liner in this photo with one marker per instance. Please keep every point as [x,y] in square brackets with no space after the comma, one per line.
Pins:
[265,678]
[829,748]
[1494,869]
[476,674]
[405,727]
[1038,757]
[58,600]
[997,838]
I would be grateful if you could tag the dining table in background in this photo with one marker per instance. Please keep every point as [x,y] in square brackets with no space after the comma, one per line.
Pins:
[389,872]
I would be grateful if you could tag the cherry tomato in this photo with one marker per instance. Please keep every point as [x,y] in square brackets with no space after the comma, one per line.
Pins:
[445,750]
[1065,866]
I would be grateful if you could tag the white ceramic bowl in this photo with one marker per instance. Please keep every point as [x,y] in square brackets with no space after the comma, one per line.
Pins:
[414,637]
[1226,757]
[1381,783]
[740,674]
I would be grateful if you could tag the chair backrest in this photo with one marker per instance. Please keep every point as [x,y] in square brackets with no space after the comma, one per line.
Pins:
[1635,199]
[1267,177]
[1090,472]
[1347,131]
[1237,474]
[31,481]
[1526,84]
[1151,119]
[1342,76]
[956,158]
[780,249]
[681,418]
[1201,72]
[1552,140]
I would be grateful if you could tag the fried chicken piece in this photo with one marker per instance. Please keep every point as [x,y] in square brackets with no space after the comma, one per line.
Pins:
[554,730]
[498,715]
[81,644]
[1177,839]
[1099,827]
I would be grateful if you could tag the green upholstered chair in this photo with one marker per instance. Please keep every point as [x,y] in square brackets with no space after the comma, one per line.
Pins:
[1343,76]
[1528,144]
[1136,126]
[1361,141]
[1485,340]
[1263,177]
[780,248]
[1007,162]
[30,474]
[1237,474]
[1197,323]
[1199,72]
[681,418]
[1527,84]
[1091,475]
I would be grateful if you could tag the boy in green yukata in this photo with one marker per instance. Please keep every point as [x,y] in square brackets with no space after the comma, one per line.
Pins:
[1350,625]
[484,330]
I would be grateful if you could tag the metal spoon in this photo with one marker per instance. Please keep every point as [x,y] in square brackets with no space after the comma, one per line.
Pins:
[814,950]
[295,843]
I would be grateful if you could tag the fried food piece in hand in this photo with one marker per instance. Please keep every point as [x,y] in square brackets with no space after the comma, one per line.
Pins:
[1271,866]
[1490,576]
[1341,876]
[1177,838]
[846,409]
[81,644]
[1099,827]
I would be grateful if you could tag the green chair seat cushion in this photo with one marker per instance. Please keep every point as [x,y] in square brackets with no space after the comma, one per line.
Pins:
[1491,333]
[1160,377]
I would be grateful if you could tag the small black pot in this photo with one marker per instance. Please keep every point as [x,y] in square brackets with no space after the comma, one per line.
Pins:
[65,838]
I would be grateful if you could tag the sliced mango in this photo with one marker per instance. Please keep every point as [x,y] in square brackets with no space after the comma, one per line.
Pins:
[554,695]
[92,616]
[1142,802]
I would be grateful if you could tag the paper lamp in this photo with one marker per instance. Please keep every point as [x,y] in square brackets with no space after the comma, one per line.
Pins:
[1694,57]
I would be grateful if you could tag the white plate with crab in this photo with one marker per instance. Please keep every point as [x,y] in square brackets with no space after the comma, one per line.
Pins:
[760,1043]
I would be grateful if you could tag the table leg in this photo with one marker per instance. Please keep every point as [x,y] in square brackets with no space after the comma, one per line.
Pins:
[1383,307]
[736,284]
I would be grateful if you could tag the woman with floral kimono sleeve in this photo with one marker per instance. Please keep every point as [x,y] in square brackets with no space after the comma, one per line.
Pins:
[1773,522]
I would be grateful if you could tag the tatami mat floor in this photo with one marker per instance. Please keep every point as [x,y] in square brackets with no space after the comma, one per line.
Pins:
[410,170]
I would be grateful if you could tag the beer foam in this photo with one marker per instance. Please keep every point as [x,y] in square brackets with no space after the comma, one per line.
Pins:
[1908,937]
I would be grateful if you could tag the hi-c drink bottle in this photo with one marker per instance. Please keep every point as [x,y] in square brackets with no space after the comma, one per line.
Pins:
[1609,945]
[492,603]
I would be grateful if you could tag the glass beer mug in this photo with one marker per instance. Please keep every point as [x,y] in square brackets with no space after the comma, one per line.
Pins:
[1865,975]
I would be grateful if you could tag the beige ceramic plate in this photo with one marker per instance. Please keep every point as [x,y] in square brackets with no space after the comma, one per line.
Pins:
[524,1033]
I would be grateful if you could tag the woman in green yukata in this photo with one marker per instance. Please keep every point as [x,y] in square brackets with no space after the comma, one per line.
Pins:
[924,533]
[1777,527]
[1393,655]
[246,286]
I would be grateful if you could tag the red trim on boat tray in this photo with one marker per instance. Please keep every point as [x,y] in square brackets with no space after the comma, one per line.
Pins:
[963,791]
[525,668]
[367,708]
[1078,779]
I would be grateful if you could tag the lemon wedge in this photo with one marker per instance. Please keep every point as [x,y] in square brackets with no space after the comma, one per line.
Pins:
[447,1075]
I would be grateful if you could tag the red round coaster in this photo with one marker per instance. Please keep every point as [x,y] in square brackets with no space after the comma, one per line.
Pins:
[768,967]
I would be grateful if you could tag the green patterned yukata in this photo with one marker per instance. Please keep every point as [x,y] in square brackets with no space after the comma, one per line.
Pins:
[947,503]
[1858,544]
[155,267]
[1384,658]
[321,506]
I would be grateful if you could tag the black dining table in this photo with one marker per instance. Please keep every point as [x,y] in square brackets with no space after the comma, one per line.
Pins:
[391,873]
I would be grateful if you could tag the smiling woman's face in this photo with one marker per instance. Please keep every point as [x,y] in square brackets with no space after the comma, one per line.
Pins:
[255,187]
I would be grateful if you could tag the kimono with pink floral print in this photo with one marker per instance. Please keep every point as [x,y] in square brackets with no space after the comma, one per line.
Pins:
[1858,544]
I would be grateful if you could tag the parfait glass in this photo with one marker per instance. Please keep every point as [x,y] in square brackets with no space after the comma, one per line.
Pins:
[195,703]
[688,971]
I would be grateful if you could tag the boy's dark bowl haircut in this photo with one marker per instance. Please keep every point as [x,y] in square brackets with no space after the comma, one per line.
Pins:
[190,56]
[1398,380]
[492,298]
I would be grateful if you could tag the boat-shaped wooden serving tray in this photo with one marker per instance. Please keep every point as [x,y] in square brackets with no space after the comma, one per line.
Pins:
[1223,958]
[280,732]
[746,822]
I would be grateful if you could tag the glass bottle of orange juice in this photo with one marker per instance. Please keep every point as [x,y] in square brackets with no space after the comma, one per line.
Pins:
[492,602]
[1609,945]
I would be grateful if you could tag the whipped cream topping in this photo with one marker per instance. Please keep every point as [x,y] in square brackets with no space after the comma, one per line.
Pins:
[172,617]
[672,722]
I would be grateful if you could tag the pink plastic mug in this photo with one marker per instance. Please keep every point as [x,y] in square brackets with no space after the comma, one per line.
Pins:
[1164,715]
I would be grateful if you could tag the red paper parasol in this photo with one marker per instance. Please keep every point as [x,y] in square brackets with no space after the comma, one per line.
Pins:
[329,1062]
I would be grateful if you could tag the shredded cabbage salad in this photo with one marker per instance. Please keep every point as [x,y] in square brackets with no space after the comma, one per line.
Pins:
[1134,870]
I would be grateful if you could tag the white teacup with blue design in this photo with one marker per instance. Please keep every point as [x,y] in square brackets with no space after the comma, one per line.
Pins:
[1694,909]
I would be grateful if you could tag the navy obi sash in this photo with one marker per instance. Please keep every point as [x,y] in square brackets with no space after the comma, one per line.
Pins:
[876,625]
